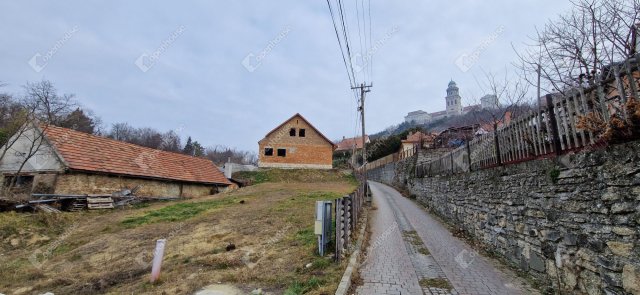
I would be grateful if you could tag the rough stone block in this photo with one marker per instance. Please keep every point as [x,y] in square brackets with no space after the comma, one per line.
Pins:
[620,248]
[536,262]
[631,278]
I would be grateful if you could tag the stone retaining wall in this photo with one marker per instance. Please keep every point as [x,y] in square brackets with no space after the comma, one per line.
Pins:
[571,222]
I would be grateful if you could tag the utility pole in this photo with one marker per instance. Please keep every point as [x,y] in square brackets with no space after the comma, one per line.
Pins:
[363,90]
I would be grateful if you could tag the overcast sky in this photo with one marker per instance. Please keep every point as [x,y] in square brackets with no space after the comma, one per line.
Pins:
[198,85]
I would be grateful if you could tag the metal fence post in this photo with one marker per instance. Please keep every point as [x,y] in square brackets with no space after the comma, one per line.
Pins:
[497,144]
[338,230]
[468,156]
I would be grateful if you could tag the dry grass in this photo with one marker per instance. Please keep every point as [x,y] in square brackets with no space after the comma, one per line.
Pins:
[109,251]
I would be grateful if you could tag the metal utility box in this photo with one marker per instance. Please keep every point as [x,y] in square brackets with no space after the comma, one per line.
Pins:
[323,224]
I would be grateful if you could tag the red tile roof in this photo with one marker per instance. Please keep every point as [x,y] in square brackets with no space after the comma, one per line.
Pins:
[418,137]
[85,152]
[349,143]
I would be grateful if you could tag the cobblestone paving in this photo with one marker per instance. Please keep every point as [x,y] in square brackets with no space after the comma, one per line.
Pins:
[397,259]
[387,268]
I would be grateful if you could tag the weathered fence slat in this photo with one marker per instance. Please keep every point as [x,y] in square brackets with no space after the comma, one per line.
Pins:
[553,128]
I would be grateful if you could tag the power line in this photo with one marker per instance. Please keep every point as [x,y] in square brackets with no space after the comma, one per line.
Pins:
[345,33]
[335,27]
[362,88]
[360,35]
[370,44]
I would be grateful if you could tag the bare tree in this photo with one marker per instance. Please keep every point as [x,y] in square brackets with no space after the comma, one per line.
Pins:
[41,107]
[221,154]
[46,105]
[505,97]
[121,132]
[575,48]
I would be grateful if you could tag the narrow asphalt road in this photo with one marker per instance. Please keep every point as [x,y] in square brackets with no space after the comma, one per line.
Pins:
[410,252]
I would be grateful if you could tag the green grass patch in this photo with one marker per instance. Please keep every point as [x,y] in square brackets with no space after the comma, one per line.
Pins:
[320,263]
[435,283]
[304,199]
[176,212]
[293,175]
[141,205]
[64,248]
[424,251]
[298,288]
[306,236]
[554,174]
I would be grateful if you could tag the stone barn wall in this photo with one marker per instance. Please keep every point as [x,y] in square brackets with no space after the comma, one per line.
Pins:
[571,222]
[79,183]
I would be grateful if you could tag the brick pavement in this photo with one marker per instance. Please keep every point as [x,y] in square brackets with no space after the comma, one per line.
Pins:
[408,246]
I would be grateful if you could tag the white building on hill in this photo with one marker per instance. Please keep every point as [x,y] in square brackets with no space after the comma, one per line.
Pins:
[454,107]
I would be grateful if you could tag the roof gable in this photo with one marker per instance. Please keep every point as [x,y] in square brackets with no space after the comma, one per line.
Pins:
[85,152]
[297,115]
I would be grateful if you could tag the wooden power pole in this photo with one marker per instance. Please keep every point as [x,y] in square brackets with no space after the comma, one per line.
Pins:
[363,90]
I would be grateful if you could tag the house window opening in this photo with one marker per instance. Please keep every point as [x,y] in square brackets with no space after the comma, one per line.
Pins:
[302,133]
[292,132]
[268,151]
[282,152]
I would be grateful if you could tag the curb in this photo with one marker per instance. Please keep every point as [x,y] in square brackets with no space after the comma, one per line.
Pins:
[345,282]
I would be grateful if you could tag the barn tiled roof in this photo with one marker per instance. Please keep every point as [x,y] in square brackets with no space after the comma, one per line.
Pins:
[85,152]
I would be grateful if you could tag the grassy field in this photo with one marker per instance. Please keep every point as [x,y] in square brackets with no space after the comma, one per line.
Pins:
[270,224]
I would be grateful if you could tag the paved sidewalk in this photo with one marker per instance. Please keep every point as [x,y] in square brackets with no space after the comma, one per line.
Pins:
[387,268]
[409,248]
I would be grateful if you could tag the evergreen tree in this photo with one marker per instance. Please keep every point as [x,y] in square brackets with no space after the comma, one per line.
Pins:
[79,121]
[188,147]
[198,149]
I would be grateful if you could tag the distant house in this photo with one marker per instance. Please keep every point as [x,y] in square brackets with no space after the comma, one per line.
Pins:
[418,140]
[295,144]
[73,162]
[489,127]
[456,136]
[349,144]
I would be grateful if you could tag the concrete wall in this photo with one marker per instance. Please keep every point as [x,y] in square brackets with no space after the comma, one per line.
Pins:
[230,168]
[78,183]
[44,158]
[571,222]
[311,151]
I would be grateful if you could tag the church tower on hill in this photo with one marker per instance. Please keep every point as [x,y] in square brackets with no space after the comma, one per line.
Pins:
[454,101]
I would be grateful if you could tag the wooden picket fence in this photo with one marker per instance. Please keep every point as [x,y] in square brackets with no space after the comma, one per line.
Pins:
[347,212]
[402,154]
[550,130]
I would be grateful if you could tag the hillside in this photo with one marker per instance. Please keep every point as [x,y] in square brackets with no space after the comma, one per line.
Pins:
[270,224]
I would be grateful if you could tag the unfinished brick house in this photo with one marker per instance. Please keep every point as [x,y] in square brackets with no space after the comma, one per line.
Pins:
[72,162]
[296,144]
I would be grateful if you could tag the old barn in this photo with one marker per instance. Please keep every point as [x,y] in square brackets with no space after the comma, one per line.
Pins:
[72,162]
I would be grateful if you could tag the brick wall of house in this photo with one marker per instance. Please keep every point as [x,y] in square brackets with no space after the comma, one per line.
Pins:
[311,151]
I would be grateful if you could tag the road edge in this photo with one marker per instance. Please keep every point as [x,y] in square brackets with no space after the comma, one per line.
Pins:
[345,282]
